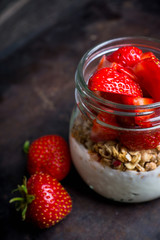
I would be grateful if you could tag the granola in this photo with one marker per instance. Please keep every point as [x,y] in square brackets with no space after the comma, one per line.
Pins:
[112,153]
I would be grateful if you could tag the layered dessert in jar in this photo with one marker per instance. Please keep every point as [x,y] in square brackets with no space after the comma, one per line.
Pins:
[115,126]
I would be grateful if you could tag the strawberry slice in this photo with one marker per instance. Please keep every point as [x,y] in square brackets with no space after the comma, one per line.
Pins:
[103,62]
[148,73]
[142,121]
[113,97]
[136,100]
[140,140]
[126,56]
[125,70]
[148,55]
[100,133]
[110,80]
[130,121]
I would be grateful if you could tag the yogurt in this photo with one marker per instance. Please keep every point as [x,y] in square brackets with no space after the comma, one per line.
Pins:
[128,186]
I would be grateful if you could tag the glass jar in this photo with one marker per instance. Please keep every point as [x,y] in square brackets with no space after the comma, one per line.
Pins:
[123,164]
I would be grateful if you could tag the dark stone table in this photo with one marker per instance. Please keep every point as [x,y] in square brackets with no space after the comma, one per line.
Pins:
[41,44]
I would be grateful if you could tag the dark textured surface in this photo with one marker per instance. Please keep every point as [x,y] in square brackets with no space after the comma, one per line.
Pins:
[37,69]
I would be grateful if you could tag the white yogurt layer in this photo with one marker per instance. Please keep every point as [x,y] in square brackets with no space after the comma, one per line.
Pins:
[129,186]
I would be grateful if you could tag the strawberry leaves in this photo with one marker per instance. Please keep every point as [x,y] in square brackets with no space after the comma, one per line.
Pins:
[21,203]
[26,146]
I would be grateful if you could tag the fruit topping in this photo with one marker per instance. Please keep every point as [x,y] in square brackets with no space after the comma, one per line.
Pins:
[148,73]
[127,56]
[137,100]
[102,133]
[103,63]
[110,80]
[148,55]
[128,76]
[140,140]
[143,121]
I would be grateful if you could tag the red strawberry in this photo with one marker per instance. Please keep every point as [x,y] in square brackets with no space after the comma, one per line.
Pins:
[124,121]
[103,62]
[125,70]
[113,97]
[148,73]
[136,100]
[116,66]
[49,154]
[140,140]
[131,121]
[142,121]
[126,56]
[101,133]
[116,163]
[110,80]
[44,201]
[148,55]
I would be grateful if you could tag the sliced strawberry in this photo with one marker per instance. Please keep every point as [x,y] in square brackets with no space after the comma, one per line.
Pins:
[123,121]
[126,56]
[148,55]
[103,62]
[113,97]
[101,133]
[140,140]
[116,163]
[136,100]
[142,121]
[126,121]
[131,121]
[148,73]
[125,70]
[110,80]
[116,66]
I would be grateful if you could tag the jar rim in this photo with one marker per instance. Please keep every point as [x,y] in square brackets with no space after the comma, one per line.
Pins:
[135,40]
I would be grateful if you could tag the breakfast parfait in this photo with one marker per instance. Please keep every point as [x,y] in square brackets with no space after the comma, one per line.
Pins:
[115,126]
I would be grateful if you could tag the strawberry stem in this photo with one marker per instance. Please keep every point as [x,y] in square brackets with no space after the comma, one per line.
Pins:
[26,146]
[21,203]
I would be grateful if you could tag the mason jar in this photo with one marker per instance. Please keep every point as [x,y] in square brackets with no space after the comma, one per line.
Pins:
[123,164]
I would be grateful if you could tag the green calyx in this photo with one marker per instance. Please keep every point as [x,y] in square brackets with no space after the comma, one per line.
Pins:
[26,146]
[22,202]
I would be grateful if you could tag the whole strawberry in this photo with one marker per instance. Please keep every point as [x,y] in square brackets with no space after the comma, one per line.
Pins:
[49,154]
[44,201]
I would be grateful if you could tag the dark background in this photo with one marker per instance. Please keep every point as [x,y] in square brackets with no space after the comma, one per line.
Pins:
[41,43]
